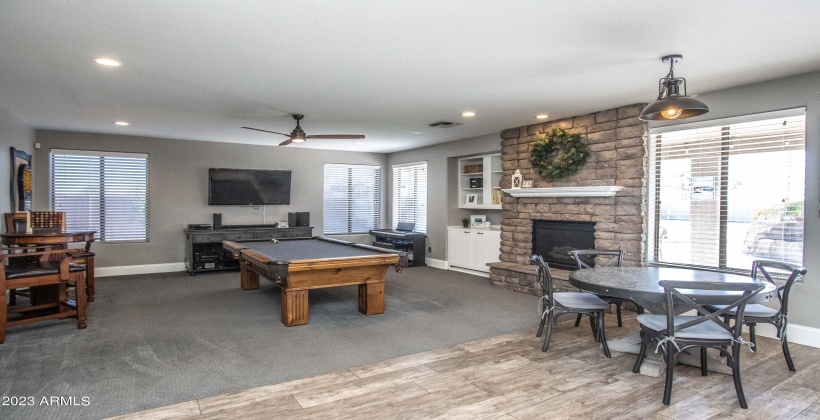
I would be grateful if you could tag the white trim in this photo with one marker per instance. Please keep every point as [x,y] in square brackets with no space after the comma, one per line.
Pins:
[436,263]
[485,274]
[99,153]
[598,191]
[797,334]
[402,165]
[125,270]
[793,112]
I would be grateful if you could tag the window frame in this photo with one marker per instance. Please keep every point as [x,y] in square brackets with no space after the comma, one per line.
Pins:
[377,201]
[654,177]
[101,234]
[394,216]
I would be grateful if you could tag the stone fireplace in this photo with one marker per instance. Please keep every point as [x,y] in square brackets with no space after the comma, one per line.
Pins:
[617,142]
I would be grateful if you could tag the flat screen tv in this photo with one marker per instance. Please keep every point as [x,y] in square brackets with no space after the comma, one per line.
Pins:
[248,187]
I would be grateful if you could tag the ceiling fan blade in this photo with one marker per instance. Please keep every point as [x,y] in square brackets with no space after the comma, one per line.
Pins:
[336,136]
[266,131]
[286,142]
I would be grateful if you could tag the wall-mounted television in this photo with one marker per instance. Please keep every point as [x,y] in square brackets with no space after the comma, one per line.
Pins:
[248,187]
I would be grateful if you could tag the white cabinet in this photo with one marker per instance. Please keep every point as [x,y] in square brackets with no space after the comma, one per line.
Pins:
[472,249]
[478,183]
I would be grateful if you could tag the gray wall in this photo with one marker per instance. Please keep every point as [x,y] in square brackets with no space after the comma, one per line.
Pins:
[13,133]
[178,186]
[442,188]
[792,92]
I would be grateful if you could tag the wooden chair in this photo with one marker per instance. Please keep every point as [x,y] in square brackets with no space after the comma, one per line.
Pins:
[585,259]
[51,221]
[676,333]
[555,304]
[37,270]
[756,313]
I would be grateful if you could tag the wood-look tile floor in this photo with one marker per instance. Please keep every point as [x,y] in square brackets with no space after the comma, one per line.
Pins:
[508,377]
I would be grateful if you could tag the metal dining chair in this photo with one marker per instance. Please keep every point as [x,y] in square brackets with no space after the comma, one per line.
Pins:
[555,304]
[756,313]
[676,333]
[586,258]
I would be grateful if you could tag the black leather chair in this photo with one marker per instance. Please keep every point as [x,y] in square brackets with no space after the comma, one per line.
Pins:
[555,304]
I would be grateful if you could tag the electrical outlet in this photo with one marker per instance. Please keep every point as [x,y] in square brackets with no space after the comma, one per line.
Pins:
[429,249]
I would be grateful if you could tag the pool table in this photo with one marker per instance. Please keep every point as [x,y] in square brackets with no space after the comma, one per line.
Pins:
[300,264]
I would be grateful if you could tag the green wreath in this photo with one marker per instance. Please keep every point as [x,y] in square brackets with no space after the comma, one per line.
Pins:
[558,154]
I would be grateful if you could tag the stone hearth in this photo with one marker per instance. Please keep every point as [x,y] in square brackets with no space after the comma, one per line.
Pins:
[617,141]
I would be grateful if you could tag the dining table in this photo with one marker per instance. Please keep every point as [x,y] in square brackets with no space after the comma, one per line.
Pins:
[640,284]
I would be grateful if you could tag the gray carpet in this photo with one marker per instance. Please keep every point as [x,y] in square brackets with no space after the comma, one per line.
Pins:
[155,340]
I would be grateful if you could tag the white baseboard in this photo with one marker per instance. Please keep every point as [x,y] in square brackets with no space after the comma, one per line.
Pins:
[798,334]
[432,262]
[126,270]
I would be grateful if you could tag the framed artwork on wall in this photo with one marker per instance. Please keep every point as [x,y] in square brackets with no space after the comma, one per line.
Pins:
[471,199]
[21,181]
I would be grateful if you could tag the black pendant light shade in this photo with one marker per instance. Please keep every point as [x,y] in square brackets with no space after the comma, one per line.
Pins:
[671,105]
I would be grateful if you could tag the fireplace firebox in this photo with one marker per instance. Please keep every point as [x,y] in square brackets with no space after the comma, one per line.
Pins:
[553,239]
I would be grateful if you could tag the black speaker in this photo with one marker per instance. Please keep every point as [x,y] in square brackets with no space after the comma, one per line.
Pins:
[217,220]
[300,218]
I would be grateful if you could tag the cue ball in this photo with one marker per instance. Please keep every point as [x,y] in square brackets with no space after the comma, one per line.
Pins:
[276,241]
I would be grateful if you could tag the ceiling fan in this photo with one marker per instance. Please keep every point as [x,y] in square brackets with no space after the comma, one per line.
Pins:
[298,135]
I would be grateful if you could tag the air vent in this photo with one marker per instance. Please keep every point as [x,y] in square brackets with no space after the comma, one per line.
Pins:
[443,124]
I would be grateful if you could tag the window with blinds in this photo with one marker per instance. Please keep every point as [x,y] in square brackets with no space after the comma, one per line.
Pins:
[352,198]
[102,191]
[410,195]
[724,193]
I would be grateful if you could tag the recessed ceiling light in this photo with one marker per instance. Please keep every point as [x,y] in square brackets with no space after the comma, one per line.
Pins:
[542,116]
[107,62]
[121,122]
[468,114]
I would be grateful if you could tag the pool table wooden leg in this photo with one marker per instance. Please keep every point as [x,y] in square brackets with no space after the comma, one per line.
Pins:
[371,298]
[248,278]
[294,307]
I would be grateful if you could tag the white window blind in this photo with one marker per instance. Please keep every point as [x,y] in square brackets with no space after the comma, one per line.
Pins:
[410,195]
[724,193]
[102,191]
[352,198]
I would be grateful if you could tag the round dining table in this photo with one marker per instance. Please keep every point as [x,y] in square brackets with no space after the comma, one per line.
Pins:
[640,284]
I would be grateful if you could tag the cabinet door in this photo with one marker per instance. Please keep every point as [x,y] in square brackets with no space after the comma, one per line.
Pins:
[460,248]
[487,244]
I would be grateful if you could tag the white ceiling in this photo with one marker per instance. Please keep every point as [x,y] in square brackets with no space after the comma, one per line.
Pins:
[200,69]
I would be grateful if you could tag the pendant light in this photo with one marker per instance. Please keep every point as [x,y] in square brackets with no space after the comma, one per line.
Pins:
[671,105]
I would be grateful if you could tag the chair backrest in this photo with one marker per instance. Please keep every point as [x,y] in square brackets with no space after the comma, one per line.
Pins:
[48,221]
[16,222]
[543,276]
[585,258]
[766,268]
[674,296]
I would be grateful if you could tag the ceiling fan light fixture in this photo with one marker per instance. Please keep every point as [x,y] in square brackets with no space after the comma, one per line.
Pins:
[297,139]
[671,104]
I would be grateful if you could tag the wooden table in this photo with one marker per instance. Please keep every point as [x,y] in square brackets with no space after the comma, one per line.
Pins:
[640,284]
[58,240]
[298,265]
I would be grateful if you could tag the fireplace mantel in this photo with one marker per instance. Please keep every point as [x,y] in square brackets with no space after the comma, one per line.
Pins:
[596,191]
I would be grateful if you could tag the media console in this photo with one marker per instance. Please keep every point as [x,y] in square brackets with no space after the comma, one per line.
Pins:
[204,251]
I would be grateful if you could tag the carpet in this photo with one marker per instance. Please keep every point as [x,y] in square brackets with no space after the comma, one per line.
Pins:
[159,339]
